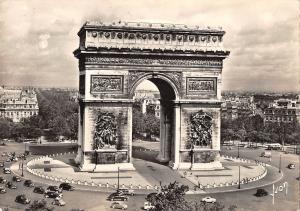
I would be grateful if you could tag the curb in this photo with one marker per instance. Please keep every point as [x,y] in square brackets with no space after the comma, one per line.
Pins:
[143,191]
[250,188]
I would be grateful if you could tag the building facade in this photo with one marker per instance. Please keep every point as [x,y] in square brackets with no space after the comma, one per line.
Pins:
[16,104]
[281,111]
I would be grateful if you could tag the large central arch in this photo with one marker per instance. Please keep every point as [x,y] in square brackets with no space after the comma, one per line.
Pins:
[184,63]
[169,94]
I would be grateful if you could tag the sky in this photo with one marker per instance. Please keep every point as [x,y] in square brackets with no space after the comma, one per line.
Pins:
[38,37]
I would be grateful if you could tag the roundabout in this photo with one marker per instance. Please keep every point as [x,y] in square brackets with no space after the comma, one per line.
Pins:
[149,175]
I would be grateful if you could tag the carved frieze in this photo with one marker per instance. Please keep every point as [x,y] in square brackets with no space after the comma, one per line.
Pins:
[200,129]
[154,62]
[146,37]
[106,84]
[200,85]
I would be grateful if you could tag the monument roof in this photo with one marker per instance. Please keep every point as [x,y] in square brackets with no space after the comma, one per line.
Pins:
[151,37]
[153,26]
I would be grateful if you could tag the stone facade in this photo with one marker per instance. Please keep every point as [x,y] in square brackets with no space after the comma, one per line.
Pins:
[17,104]
[185,63]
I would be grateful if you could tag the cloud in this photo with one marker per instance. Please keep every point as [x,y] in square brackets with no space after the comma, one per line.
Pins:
[43,40]
[40,36]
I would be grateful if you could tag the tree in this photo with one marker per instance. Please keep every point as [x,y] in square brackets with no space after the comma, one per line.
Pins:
[5,125]
[170,198]
[227,134]
[202,206]
[39,205]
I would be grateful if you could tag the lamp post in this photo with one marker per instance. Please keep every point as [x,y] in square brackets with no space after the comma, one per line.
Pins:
[280,163]
[118,178]
[239,186]
[22,167]
[192,156]
[238,151]
[96,159]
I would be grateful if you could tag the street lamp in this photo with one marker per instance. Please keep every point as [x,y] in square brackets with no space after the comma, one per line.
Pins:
[239,186]
[96,159]
[280,163]
[192,156]
[118,178]
[22,167]
[238,150]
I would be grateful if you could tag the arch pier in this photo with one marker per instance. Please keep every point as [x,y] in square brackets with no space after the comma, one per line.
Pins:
[185,63]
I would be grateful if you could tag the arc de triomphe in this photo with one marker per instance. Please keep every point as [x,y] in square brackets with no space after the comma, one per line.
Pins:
[185,63]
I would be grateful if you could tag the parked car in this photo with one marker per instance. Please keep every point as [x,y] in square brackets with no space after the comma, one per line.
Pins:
[54,189]
[22,199]
[16,179]
[2,180]
[119,205]
[128,192]
[291,166]
[6,171]
[208,199]
[10,185]
[2,189]
[52,194]
[266,154]
[148,206]
[39,190]
[261,192]
[118,198]
[28,183]
[1,164]
[59,202]
[66,186]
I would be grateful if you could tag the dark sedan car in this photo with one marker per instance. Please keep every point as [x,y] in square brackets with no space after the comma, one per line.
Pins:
[54,189]
[2,180]
[28,183]
[261,192]
[66,186]
[117,198]
[10,185]
[2,189]
[16,179]
[22,199]
[39,190]
[52,194]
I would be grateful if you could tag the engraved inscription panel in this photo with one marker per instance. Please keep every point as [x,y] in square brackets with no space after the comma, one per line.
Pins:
[106,84]
[201,85]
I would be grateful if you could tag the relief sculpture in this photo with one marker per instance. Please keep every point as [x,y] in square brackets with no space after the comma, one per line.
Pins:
[105,135]
[195,84]
[201,129]
[106,84]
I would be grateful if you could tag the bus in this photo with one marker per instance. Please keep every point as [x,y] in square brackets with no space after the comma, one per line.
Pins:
[274,146]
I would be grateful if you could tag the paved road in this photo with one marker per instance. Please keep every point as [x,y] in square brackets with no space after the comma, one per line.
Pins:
[245,200]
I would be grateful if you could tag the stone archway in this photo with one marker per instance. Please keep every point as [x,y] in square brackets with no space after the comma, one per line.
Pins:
[185,64]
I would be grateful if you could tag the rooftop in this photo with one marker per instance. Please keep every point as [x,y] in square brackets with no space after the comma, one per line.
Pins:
[160,26]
